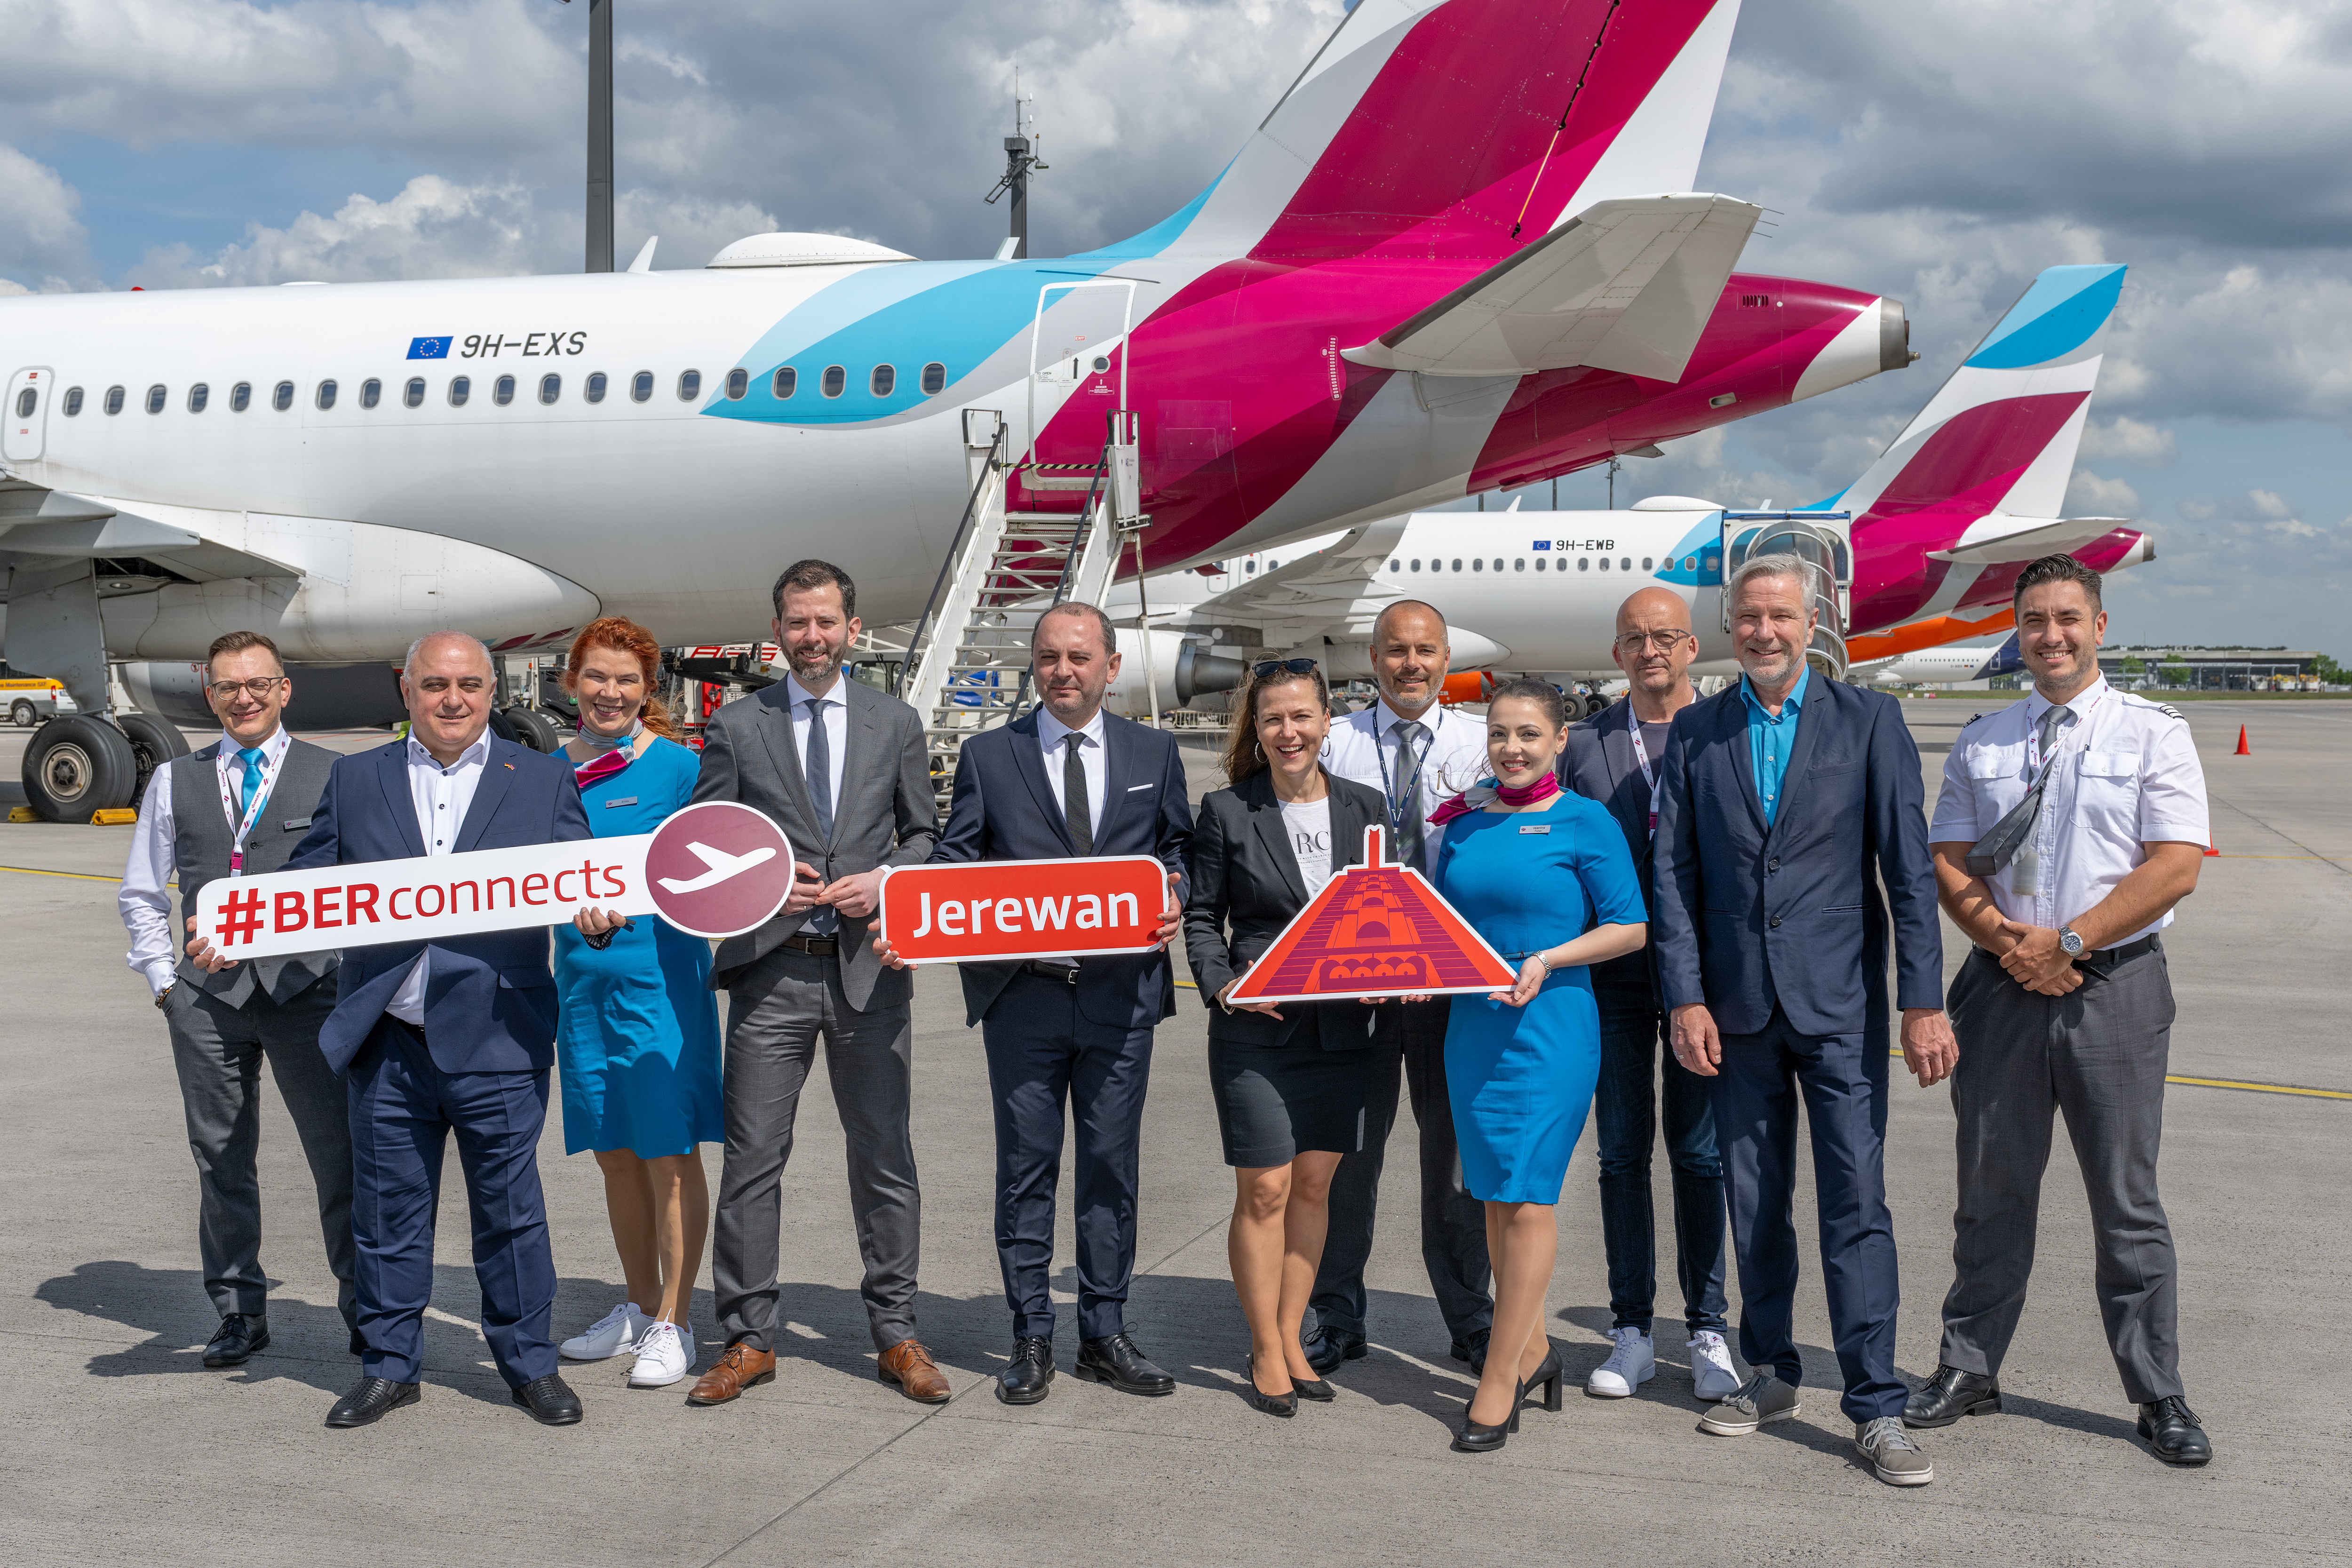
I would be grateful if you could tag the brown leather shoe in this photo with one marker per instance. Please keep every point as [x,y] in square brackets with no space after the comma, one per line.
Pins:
[740,1368]
[908,1364]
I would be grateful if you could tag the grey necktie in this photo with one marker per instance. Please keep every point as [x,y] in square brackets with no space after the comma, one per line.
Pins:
[1077,811]
[1413,742]
[816,765]
[1996,849]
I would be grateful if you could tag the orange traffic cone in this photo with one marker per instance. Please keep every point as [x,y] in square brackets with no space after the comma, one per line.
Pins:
[2242,742]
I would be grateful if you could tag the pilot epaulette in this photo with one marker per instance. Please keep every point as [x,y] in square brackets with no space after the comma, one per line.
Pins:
[2167,709]
[1972,719]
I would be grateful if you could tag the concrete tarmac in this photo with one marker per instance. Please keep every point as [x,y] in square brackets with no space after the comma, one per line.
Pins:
[123,1448]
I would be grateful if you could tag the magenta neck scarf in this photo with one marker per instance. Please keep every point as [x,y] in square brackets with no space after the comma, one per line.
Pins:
[1480,794]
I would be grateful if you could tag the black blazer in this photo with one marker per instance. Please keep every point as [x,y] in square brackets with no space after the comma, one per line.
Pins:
[1245,874]
[1597,763]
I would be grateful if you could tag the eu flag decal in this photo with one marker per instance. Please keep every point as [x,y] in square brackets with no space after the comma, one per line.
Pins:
[1539,544]
[430,348]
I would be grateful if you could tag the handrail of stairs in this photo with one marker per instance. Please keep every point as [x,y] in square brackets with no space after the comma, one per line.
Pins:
[916,647]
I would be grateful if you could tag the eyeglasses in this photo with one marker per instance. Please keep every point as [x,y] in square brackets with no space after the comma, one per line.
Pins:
[1665,642]
[258,688]
[1266,668]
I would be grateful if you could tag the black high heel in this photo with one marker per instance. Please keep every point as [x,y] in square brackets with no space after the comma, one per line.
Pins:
[1477,1438]
[1547,1376]
[1285,1405]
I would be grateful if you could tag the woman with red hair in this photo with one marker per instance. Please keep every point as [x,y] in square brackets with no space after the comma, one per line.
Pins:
[638,1033]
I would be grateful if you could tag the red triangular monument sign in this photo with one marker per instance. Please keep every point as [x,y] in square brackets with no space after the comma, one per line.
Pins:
[1375,930]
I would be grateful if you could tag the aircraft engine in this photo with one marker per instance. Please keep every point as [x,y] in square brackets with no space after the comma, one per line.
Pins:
[1181,671]
[325,696]
[1353,660]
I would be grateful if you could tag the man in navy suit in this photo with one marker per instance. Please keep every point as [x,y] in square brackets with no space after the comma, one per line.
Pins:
[1786,801]
[456,1037]
[1067,780]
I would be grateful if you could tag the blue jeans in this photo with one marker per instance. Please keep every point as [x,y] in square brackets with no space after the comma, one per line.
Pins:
[1624,1111]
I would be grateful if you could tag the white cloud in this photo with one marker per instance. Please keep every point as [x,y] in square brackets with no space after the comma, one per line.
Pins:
[2090,496]
[41,231]
[2151,445]
[2267,503]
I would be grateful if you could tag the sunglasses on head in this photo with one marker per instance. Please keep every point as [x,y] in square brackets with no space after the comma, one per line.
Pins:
[1266,668]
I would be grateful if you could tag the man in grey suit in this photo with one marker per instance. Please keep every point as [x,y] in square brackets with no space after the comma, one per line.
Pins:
[842,768]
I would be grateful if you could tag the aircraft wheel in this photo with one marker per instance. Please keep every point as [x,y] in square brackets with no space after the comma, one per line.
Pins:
[153,742]
[533,728]
[23,714]
[77,765]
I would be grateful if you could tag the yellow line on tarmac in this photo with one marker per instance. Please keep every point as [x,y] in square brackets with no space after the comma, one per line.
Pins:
[43,871]
[2249,1088]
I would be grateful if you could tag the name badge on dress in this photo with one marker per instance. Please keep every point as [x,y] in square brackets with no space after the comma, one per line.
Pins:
[1539,827]
[625,800]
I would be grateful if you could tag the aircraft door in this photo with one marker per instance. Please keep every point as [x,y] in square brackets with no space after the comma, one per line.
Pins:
[1076,341]
[27,411]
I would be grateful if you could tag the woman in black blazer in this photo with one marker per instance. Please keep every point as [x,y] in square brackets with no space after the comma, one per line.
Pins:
[1290,1080]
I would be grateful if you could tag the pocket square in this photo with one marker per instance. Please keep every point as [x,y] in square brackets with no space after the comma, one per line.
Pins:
[1132,788]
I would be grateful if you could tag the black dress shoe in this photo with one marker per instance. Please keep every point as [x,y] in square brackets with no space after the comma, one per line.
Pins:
[1029,1376]
[371,1401]
[239,1335]
[549,1400]
[1115,1359]
[2174,1432]
[1327,1348]
[1473,1351]
[1950,1395]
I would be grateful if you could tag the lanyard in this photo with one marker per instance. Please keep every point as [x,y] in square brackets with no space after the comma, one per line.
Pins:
[1412,786]
[1642,755]
[242,828]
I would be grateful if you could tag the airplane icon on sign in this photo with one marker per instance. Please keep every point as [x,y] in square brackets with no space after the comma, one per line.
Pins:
[722,865]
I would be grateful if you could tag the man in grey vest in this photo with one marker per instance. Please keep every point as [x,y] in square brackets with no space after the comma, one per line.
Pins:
[238,807]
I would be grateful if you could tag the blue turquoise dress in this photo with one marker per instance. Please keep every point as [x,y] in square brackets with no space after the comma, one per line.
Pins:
[637,1036]
[1522,1079]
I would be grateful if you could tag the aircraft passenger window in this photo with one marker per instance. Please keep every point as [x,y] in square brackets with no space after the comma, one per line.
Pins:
[785,382]
[1478,564]
[371,393]
[1604,564]
[596,385]
[934,379]
[1645,563]
[282,397]
[114,400]
[73,401]
[1416,562]
[1690,563]
[550,387]
[1249,566]
[1584,564]
[198,395]
[156,395]
[642,387]
[326,394]
[502,391]
[1498,563]
[1270,565]
[461,387]
[739,382]
[240,397]
[690,385]
[413,393]
[1541,560]
[27,401]
[1626,563]
[1519,564]
[1457,563]
[883,381]
[1395,565]
[836,379]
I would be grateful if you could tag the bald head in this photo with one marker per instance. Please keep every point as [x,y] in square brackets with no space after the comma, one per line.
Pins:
[1411,657]
[1654,647]
[1642,607]
[448,684]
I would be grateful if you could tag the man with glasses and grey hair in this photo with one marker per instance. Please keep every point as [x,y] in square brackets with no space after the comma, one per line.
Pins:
[1788,802]
[238,807]
[1617,758]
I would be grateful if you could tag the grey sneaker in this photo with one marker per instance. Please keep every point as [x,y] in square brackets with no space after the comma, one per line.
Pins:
[1761,1398]
[1891,1452]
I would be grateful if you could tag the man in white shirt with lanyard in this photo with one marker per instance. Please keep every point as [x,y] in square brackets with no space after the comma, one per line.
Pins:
[238,807]
[2069,825]
[1616,758]
[1419,755]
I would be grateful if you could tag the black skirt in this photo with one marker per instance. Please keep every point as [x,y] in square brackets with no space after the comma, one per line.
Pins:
[1276,1102]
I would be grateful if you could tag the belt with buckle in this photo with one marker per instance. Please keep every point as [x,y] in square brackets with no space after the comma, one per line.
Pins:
[2108,957]
[825,945]
[1067,974]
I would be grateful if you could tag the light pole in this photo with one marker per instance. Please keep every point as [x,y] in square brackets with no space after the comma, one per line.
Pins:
[600,135]
[1019,160]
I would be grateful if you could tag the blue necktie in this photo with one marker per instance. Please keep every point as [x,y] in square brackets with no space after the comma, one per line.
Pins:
[251,757]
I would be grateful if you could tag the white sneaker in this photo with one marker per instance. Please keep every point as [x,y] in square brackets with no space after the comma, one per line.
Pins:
[1629,1365]
[663,1356]
[615,1333]
[1713,1377]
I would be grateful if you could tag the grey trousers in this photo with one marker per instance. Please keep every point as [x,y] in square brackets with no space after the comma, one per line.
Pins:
[2097,1055]
[218,1049]
[775,1012]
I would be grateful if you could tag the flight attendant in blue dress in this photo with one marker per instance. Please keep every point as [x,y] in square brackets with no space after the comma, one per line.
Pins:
[1544,878]
[637,1036]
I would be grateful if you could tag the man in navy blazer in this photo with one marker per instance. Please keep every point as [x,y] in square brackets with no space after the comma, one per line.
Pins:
[1787,800]
[456,1037]
[1064,780]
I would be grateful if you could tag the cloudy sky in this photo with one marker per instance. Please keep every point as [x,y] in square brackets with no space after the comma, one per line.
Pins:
[1939,150]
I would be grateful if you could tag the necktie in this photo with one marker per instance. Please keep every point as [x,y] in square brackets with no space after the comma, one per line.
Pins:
[1996,849]
[251,757]
[1077,816]
[816,764]
[1405,797]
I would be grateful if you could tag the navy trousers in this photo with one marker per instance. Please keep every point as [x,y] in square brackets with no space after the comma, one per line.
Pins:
[403,1111]
[1843,1080]
[1041,1054]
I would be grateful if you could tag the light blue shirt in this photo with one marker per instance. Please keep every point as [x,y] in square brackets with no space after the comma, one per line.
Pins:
[1770,739]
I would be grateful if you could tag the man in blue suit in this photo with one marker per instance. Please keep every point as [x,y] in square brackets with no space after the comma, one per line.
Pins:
[1067,780]
[1786,802]
[452,1037]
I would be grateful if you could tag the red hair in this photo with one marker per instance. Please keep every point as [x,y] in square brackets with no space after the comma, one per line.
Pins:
[625,635]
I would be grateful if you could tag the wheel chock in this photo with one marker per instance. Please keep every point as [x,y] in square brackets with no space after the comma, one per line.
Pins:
[112,817]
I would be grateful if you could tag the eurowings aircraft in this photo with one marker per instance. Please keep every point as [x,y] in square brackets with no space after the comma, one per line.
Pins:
[1952,662]
[1460,254]
[1940,525]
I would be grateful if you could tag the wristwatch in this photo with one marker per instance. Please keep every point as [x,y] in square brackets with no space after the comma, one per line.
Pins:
[2068,942]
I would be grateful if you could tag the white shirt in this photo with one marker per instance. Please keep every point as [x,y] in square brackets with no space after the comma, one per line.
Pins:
[834,707]
[1364,747]
[1051,731]
[2123,774]
[145,906]
[1309,827]
[442,796]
